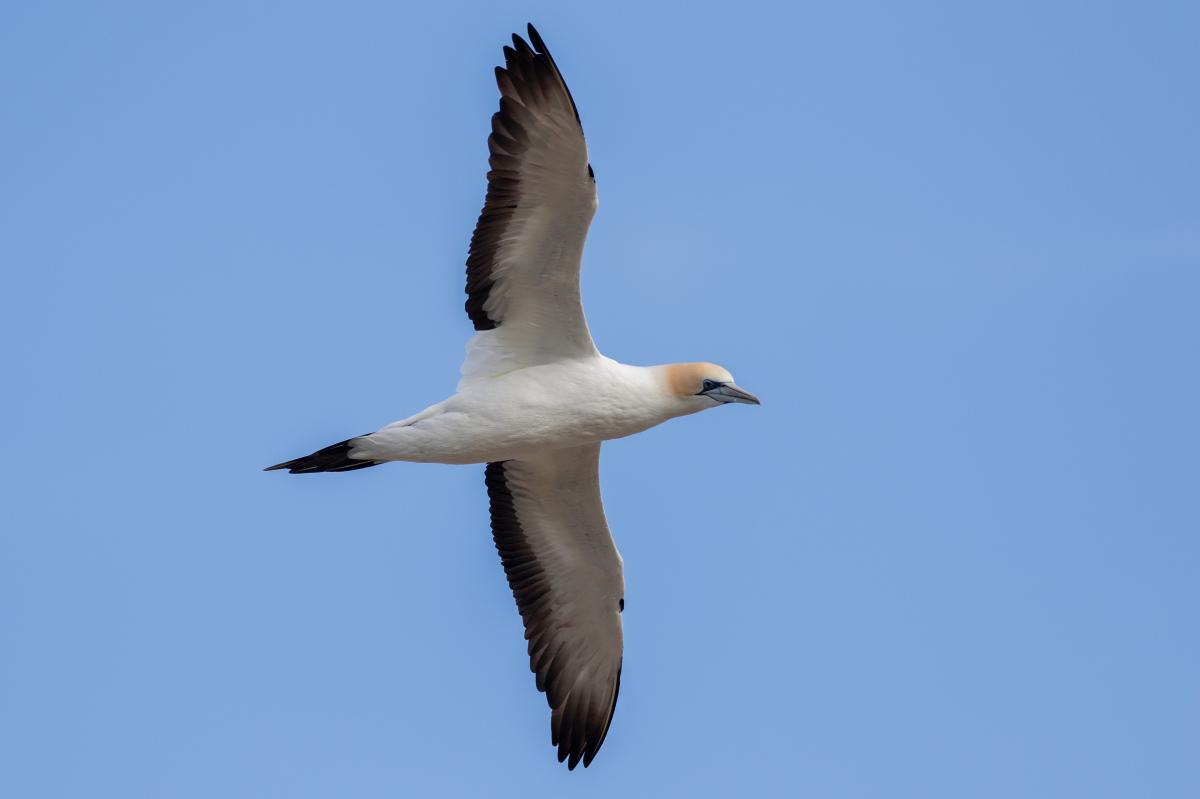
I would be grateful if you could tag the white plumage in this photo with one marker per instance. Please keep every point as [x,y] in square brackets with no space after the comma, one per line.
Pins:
[536,398]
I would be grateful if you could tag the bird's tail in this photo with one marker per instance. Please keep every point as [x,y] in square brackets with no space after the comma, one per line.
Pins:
[335,458]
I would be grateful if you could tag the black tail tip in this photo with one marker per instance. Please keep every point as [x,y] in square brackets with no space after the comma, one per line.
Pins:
[334,458]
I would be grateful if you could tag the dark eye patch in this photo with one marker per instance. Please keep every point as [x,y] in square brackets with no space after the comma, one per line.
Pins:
[709,385]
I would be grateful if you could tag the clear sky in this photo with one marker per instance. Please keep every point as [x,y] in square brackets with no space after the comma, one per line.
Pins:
[954,247]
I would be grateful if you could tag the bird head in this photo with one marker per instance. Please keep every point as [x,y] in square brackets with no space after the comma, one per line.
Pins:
[698,386]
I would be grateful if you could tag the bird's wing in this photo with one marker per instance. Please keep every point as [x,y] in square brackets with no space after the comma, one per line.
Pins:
[523,265]
[566,575]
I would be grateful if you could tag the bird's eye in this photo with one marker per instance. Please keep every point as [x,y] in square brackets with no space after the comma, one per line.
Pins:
[709,385]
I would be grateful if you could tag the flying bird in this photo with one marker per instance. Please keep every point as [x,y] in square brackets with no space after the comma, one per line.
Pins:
[536,399]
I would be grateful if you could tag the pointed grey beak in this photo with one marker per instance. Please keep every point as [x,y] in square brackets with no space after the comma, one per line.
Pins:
[728,392]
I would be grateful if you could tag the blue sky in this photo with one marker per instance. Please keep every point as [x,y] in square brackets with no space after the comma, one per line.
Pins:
[954,247]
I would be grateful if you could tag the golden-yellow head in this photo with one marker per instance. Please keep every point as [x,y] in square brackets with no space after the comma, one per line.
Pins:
[705,381]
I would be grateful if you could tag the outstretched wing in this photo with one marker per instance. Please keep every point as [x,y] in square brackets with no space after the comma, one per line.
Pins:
[523,266]
[566,575]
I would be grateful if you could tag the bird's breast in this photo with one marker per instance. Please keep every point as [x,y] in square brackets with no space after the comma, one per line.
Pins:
[560,408]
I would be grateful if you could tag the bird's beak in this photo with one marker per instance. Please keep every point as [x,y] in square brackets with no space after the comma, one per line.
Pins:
[728,392]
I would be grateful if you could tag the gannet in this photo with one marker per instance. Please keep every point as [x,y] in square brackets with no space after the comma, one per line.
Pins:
[536,399]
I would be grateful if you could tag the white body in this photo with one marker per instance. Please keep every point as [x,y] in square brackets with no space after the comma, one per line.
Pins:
[525,412]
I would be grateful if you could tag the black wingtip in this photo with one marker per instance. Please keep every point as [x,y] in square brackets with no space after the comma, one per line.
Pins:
[535,38]
[540,48]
